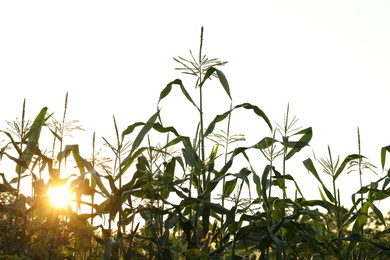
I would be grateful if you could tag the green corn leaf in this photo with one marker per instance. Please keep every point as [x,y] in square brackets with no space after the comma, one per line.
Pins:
[16,160]
[145,129]
[356,238]
[361,219]
[256,180]
[214,206]
[347,159]
[265,143]
[383,155]
[321,194]
[131,128]
[322,203]
[168,89]
[303,141]
[33,138]
[217,119]
[171,221]
[6,186]
[229,187]
[257,111]
[74,149]
[248,106]
[128,161]
[243,174]
[377,212]
[265,183]
[310,167]
[192,158]
[12,141]
[221,77]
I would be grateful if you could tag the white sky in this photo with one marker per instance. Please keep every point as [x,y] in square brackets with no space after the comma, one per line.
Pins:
[329,59]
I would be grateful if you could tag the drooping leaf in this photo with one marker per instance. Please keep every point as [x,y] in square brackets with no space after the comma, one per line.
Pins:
[377,212]
[303,141]
[128,161]
[265,142]
[248,106]
[145,129]
[347,159]
[171,221]
[6,186]
[356,238]
[265,183]
[229,187]
[131,128]
[256,180]
[310,167]
[74,149]
[168,89]
[221,77]
[361,220]
[383,155]
[12,141]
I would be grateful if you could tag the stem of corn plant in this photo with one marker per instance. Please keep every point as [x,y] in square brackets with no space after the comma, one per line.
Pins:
[236,201]
[119,161]
[62,127]
[285,139]
[285,149]
[337,204]
[93,194]
[360,172]
[22,134]
[271,161]
[202,148]
[225,159]
[93,166]
[206,212]
[269,207]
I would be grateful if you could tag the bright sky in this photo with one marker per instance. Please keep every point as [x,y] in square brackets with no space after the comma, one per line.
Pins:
[329,59]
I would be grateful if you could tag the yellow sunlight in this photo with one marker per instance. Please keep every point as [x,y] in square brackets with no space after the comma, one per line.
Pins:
[59,196]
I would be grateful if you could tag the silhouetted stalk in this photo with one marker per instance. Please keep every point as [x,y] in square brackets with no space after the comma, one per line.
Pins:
[206,211]
[225,161]
[237,200]
[119,163]
[62,127]
[285,139]
[93,193]
[360,174]
[269,206]
[93,165]
[22,134]
[271,161]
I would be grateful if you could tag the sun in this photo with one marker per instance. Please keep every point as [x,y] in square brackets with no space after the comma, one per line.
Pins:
[59,196]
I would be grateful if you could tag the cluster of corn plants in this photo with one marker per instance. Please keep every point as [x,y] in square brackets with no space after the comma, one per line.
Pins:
[164,195]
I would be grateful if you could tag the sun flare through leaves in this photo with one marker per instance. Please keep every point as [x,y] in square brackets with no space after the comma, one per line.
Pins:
[59,196]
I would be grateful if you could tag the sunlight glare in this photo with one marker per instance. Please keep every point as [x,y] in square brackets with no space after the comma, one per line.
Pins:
[59,196]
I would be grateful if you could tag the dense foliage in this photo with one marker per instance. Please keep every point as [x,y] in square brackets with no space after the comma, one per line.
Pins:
[187,198]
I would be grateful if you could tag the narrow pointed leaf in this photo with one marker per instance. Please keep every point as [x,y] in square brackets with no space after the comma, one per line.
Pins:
[14,144]
[131,128]
[303,141]
[168,89]
[221,77]
[383,155]
[248,106]
[33,138]
[229,187]
[310,167]
[347,159]
[145,129]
